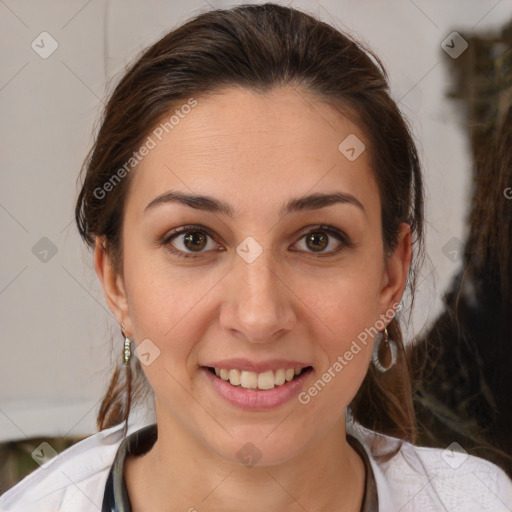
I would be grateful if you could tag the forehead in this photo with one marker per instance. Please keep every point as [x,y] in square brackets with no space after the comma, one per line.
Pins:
[256,147]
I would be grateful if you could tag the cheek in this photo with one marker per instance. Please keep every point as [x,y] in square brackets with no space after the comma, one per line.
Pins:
[345,314]
[162,300]
[164,308]
[345,300]
[344,352]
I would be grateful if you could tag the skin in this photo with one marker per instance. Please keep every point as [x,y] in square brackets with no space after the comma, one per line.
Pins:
[255,151]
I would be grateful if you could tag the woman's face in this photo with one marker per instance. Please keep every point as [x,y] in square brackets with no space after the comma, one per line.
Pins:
[263,287]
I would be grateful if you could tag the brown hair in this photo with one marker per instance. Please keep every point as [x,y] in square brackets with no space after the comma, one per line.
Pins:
[260,47]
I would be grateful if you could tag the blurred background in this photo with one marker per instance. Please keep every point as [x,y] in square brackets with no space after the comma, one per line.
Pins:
[58,62]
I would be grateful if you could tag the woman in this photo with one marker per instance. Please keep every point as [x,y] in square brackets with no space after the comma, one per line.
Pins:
[254,200]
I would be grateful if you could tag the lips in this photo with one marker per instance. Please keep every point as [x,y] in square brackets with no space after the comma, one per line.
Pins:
[266,395]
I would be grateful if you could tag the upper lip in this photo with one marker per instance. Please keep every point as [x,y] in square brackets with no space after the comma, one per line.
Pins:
[243,364]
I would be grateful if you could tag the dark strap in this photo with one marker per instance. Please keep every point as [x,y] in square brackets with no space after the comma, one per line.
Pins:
[370,498]
[115,498]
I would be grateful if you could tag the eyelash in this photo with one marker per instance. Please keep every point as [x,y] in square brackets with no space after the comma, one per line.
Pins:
[330,230]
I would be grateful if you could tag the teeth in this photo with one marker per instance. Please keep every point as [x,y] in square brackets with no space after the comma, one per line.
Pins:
[266,380]
[253,380]
[249,380]
[280,378]
[234,377]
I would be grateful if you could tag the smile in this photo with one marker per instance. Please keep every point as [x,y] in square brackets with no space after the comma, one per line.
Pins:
[252,390]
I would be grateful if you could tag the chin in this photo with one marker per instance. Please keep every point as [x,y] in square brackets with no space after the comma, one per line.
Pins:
[256,447]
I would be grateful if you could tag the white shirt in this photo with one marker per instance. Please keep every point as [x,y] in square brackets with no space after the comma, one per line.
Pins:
[417,479]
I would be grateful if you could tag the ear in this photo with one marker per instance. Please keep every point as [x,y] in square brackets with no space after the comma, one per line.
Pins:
[112,283]
[396,271]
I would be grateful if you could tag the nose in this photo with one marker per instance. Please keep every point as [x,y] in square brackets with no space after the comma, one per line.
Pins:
[260,308]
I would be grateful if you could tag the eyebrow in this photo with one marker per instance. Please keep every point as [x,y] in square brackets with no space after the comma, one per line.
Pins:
[213,205]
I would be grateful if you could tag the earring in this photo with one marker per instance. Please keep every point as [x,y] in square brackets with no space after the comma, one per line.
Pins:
[127,351]
[390,345]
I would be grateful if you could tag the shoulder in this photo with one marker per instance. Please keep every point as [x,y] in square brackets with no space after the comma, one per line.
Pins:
[418,479]
[448,479]
[71,481]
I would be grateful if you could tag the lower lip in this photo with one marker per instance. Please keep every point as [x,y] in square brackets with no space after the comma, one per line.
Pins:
[257,399]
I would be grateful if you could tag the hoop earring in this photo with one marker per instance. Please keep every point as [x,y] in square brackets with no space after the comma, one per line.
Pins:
[391,346]
[127,351]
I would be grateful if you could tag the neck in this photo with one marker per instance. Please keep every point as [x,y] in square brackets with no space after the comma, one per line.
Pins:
[181,473]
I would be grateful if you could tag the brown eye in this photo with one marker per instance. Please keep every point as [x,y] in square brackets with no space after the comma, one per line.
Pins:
[195,240]
[187,240]
[320,238]
[317,241]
